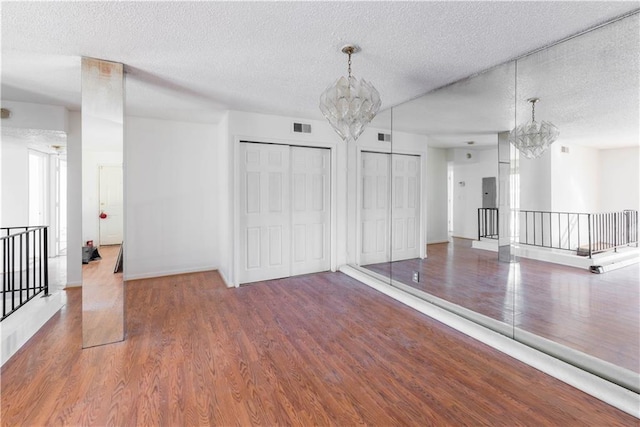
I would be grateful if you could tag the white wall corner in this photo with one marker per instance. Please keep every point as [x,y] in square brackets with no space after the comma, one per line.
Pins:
[74,200]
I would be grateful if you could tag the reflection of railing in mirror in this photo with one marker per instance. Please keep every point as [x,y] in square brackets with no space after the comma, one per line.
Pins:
[611,231]
[583,233]
[487,223]
[549,299]
[25,272]
[587,316]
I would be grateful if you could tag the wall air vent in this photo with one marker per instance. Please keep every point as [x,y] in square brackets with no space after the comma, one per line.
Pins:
[6,113]
[302,128]
[386,137]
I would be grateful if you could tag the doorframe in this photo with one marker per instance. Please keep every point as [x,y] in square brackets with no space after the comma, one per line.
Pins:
[333,244]
[44,187]
[423,207]
[99,165]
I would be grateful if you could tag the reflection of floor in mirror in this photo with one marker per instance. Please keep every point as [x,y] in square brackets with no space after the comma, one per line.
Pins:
[102,299]
[314,349]
[593,313]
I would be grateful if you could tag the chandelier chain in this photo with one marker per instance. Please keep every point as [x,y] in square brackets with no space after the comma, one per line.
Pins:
[349,53]
[533,111]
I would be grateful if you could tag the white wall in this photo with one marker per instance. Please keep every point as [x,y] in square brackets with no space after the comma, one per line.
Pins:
[18,328]
[575,179]
[35,116]
[591,180]
[467,187]
[535,183]
[74,200]
[171,197]
[436,193]
[14,178]
[225,195]
[620,179]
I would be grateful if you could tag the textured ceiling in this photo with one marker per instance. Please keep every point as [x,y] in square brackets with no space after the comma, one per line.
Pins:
[588,86]
[193,60]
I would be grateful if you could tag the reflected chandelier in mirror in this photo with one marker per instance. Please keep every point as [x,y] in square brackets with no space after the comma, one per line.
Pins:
[533,138]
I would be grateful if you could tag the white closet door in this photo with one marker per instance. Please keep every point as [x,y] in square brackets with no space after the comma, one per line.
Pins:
[310,190]
[265,212]
[405,211]
[374,208]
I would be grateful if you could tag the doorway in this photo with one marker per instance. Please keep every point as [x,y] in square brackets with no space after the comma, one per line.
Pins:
[111,204]
[284,219]
[389,207]
[38,188]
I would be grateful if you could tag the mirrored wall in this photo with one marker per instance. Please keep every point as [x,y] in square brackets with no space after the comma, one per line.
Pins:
[436,202]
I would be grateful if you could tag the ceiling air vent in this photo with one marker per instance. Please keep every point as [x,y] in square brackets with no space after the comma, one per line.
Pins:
[302,128]
[564,149]
[386,137]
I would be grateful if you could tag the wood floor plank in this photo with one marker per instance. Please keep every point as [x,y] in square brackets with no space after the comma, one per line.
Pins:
[320,349]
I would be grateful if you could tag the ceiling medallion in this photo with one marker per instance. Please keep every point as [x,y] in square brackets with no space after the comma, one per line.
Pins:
[349,105]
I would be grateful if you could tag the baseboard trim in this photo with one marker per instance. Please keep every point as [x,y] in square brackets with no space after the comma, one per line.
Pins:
[164,273]
[435,242]
[615,395]
[73,285]
[226,281]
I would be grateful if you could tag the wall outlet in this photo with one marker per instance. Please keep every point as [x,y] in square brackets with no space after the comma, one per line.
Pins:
[416,277]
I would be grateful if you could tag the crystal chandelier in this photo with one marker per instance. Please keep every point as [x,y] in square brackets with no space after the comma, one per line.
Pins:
[533,138]
[349,104]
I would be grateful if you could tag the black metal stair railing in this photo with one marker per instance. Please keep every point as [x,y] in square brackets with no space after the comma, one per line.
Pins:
[25,266]
[488,223]
[584,233]
[611,230]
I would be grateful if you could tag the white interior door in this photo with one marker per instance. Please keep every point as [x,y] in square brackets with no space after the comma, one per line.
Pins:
[405,212]
[111,204]
[374,208]
[310,215]
[265,218]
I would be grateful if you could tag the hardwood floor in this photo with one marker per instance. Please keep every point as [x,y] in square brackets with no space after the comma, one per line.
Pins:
[320,349]
[594,313]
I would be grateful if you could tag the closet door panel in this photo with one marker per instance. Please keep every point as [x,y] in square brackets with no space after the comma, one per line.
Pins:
[310,171]
[265,219]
